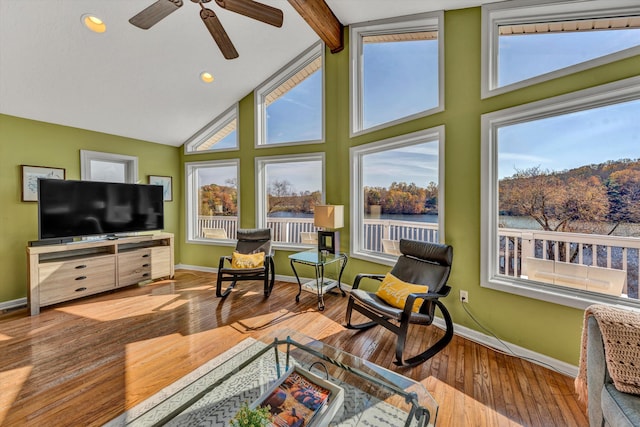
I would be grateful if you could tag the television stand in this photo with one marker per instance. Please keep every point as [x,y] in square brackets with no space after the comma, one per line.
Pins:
[63,272]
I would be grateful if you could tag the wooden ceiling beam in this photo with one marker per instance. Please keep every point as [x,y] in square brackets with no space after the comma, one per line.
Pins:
[322,20]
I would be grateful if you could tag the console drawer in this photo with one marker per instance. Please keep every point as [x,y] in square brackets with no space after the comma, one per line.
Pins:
[160,262]
[134,267]
[65,280]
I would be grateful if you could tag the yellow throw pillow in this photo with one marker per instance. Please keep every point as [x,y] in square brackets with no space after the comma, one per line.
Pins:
[239,260]
[395,292]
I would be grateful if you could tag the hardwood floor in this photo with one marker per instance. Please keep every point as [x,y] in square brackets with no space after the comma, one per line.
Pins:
[85,362]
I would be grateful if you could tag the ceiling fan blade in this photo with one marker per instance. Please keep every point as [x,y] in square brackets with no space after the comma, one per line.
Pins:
[253,9]
[218,33]
[155,13]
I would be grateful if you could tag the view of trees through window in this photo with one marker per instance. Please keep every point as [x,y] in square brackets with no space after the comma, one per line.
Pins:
[292,187]
[400,194]
[217,199]
[215,211]
[576,173]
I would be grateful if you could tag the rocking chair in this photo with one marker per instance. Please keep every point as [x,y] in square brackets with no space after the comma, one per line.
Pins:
[250,241]
[420,263]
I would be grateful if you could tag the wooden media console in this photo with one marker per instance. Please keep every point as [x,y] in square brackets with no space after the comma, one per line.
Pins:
[62,272]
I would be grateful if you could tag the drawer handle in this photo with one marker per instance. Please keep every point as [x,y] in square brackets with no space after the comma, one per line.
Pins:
[81,289]
[145,275]
[145,256]
[78,267]
[145,265]
[81,277]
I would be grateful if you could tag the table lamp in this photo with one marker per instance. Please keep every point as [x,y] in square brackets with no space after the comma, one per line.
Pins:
[329,217]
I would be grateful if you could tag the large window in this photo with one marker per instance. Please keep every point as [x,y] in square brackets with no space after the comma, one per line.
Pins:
[288,188]
[108,167]
[396,71]
[525,44]
[221,134]
[212,200]
[290,105]
[561,197]
[397,192]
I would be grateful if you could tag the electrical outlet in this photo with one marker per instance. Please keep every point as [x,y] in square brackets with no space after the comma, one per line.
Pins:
[464,296]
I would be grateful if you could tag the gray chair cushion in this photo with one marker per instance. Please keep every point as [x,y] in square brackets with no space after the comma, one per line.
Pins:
[620,409]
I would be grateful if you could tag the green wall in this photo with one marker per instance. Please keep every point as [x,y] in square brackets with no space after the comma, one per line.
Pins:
[519,320]
[522,321]
[28,142]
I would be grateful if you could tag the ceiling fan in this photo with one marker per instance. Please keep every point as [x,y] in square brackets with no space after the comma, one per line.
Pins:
[249,8]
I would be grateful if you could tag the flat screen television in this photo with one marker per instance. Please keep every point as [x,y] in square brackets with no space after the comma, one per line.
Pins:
[68,209]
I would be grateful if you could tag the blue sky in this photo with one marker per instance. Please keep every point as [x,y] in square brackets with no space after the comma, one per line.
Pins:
[401,79]
[573,140]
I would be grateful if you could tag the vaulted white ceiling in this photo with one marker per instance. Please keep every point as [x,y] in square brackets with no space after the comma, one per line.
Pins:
[145,84]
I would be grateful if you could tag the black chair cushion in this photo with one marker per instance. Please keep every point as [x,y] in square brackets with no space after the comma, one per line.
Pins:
[254,240]
[378,305]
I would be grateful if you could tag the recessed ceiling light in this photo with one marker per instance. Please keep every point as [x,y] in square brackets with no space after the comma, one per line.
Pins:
[94,23]
[206,77]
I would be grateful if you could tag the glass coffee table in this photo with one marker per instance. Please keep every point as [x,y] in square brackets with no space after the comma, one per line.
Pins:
[373,396]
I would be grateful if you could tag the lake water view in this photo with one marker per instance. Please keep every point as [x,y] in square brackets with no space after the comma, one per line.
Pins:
[505,221]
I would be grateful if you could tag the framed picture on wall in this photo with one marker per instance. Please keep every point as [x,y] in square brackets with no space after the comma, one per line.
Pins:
[166,183]
[30,175]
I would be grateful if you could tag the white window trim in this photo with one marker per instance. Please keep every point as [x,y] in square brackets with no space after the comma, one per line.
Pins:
[433,21]
[213,127]
[608,94]
[130,162]
[191,188]
[261,188]
[357,197]
[284,74]
[531,11]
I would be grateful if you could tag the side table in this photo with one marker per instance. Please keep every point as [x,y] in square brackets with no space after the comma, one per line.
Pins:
[319,260]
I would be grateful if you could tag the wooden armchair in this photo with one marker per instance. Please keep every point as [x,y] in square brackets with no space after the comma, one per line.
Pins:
[420,263]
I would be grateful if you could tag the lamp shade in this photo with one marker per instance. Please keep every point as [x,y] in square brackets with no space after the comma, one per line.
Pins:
[328,216]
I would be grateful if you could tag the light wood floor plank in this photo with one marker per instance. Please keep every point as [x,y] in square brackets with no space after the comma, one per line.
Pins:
[84,362]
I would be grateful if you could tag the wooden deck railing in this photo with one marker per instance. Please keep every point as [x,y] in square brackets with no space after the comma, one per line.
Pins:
[516,245]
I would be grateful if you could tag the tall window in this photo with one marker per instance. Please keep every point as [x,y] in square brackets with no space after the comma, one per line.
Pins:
[289,187]
[397,192]
[396,72]
[524,44]
[212,200]
[289,106]
[108,167]
[220,134]
[561,187]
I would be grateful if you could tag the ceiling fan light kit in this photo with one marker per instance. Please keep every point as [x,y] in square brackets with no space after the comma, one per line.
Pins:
[159,10]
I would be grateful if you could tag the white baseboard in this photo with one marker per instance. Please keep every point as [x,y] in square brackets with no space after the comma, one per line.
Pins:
[463,331]
[196,268]
[16,303]
[521,352]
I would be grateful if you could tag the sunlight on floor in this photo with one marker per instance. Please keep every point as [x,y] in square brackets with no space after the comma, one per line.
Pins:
[11,380]
[453,404]
[161,298]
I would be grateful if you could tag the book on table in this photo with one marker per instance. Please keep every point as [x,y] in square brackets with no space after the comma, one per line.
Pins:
[301,399]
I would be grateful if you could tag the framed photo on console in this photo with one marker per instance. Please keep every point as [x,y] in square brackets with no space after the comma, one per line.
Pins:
[30,175]
[167,185]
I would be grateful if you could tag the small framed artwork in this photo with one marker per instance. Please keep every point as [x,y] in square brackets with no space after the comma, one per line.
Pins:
[30,175]
[166,183]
